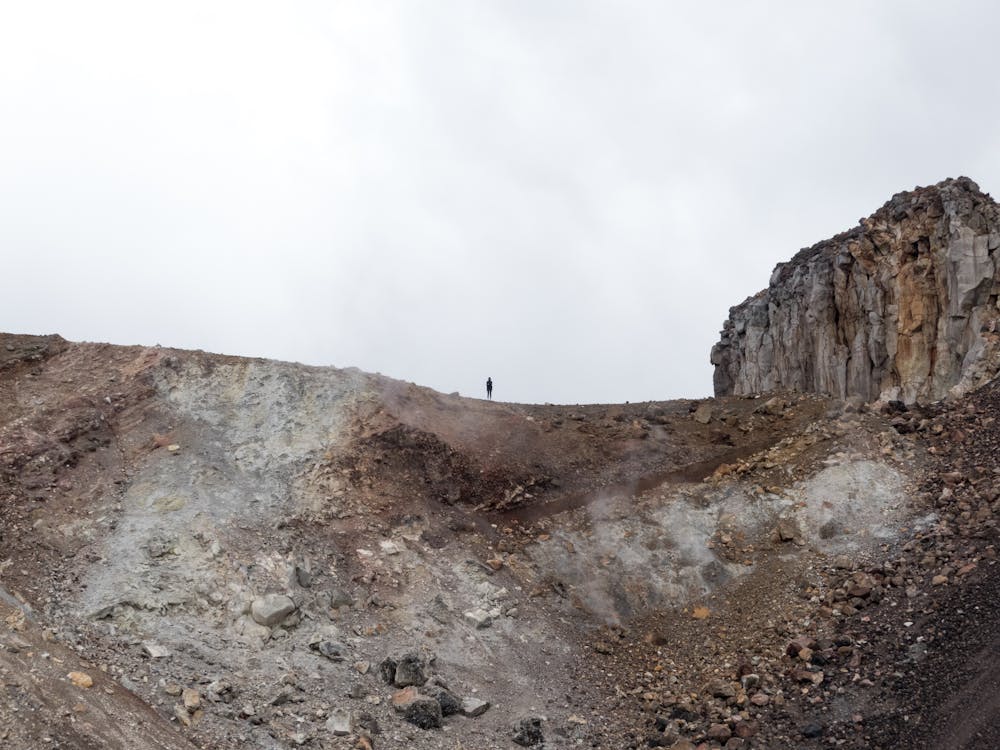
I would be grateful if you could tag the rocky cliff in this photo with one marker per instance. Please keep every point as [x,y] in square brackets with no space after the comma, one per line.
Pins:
[903,306]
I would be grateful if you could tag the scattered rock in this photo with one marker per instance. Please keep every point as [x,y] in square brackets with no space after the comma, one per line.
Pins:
[365,722]
[528,732]
[271,609]
[154,650]
[703,414]
[340,598]
[775,406]
[389,547]
[420,710]
[719,732]
[843,562]
[473,707]
[339,722]
[387,670]
[720,689]
[787,530]
[479,617]
[191,699]
[449,702]
[411,669]
[812,730]
[182,715]
[81,679]
[332,650]
[831,529]
[796,645]
[303,574]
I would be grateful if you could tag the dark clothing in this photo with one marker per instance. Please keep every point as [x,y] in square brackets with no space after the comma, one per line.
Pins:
[489,388]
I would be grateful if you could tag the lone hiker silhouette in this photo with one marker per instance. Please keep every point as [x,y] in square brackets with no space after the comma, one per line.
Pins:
[489,388]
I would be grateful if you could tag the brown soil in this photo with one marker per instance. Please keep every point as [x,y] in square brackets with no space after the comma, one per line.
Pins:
[642,559]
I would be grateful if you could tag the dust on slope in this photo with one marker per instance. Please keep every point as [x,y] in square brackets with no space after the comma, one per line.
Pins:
[890,646]
[152,496]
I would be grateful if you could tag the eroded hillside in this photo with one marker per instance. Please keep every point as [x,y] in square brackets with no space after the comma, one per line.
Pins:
[242,553]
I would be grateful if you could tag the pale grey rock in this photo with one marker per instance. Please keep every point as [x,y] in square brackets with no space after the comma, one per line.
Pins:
[340,598]
[390,547]
[271,609]
[703,414]
[339,723]
[246,627]
[303,573]
[332,650]
[155,650]
[479,617]
[473,707]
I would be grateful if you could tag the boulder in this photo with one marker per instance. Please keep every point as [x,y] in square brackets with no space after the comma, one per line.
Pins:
[387,670]
[340,598]
[339,722]
[449,702]
[418,709]
[480,618]
[719,732]
[473,707]
[271,609]
[720,689]
[332,650]
[411,669]
[812,730]
[703,414]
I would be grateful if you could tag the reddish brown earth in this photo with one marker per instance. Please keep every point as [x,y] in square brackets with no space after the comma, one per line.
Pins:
[651,571]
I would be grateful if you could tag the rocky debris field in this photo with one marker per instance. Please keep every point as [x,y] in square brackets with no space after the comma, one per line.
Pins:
[892,648]
[208,551]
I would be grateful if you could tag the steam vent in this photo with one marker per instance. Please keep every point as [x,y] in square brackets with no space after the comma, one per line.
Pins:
[902,307]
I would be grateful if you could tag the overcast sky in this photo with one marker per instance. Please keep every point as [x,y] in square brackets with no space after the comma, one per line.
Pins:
[566,196]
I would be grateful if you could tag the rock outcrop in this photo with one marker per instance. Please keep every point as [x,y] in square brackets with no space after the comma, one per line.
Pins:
[904,306]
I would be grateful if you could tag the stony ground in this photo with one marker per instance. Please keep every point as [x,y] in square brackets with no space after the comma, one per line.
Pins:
[207,551]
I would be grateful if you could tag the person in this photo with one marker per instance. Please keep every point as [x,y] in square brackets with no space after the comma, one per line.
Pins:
[489,388]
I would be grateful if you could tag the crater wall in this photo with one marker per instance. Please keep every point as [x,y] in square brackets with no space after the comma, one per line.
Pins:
[904,306]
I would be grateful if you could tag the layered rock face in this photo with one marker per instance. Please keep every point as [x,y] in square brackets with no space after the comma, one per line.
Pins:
[904,306]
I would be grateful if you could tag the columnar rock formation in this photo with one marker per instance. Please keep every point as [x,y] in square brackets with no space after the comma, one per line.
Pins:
[904,306]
